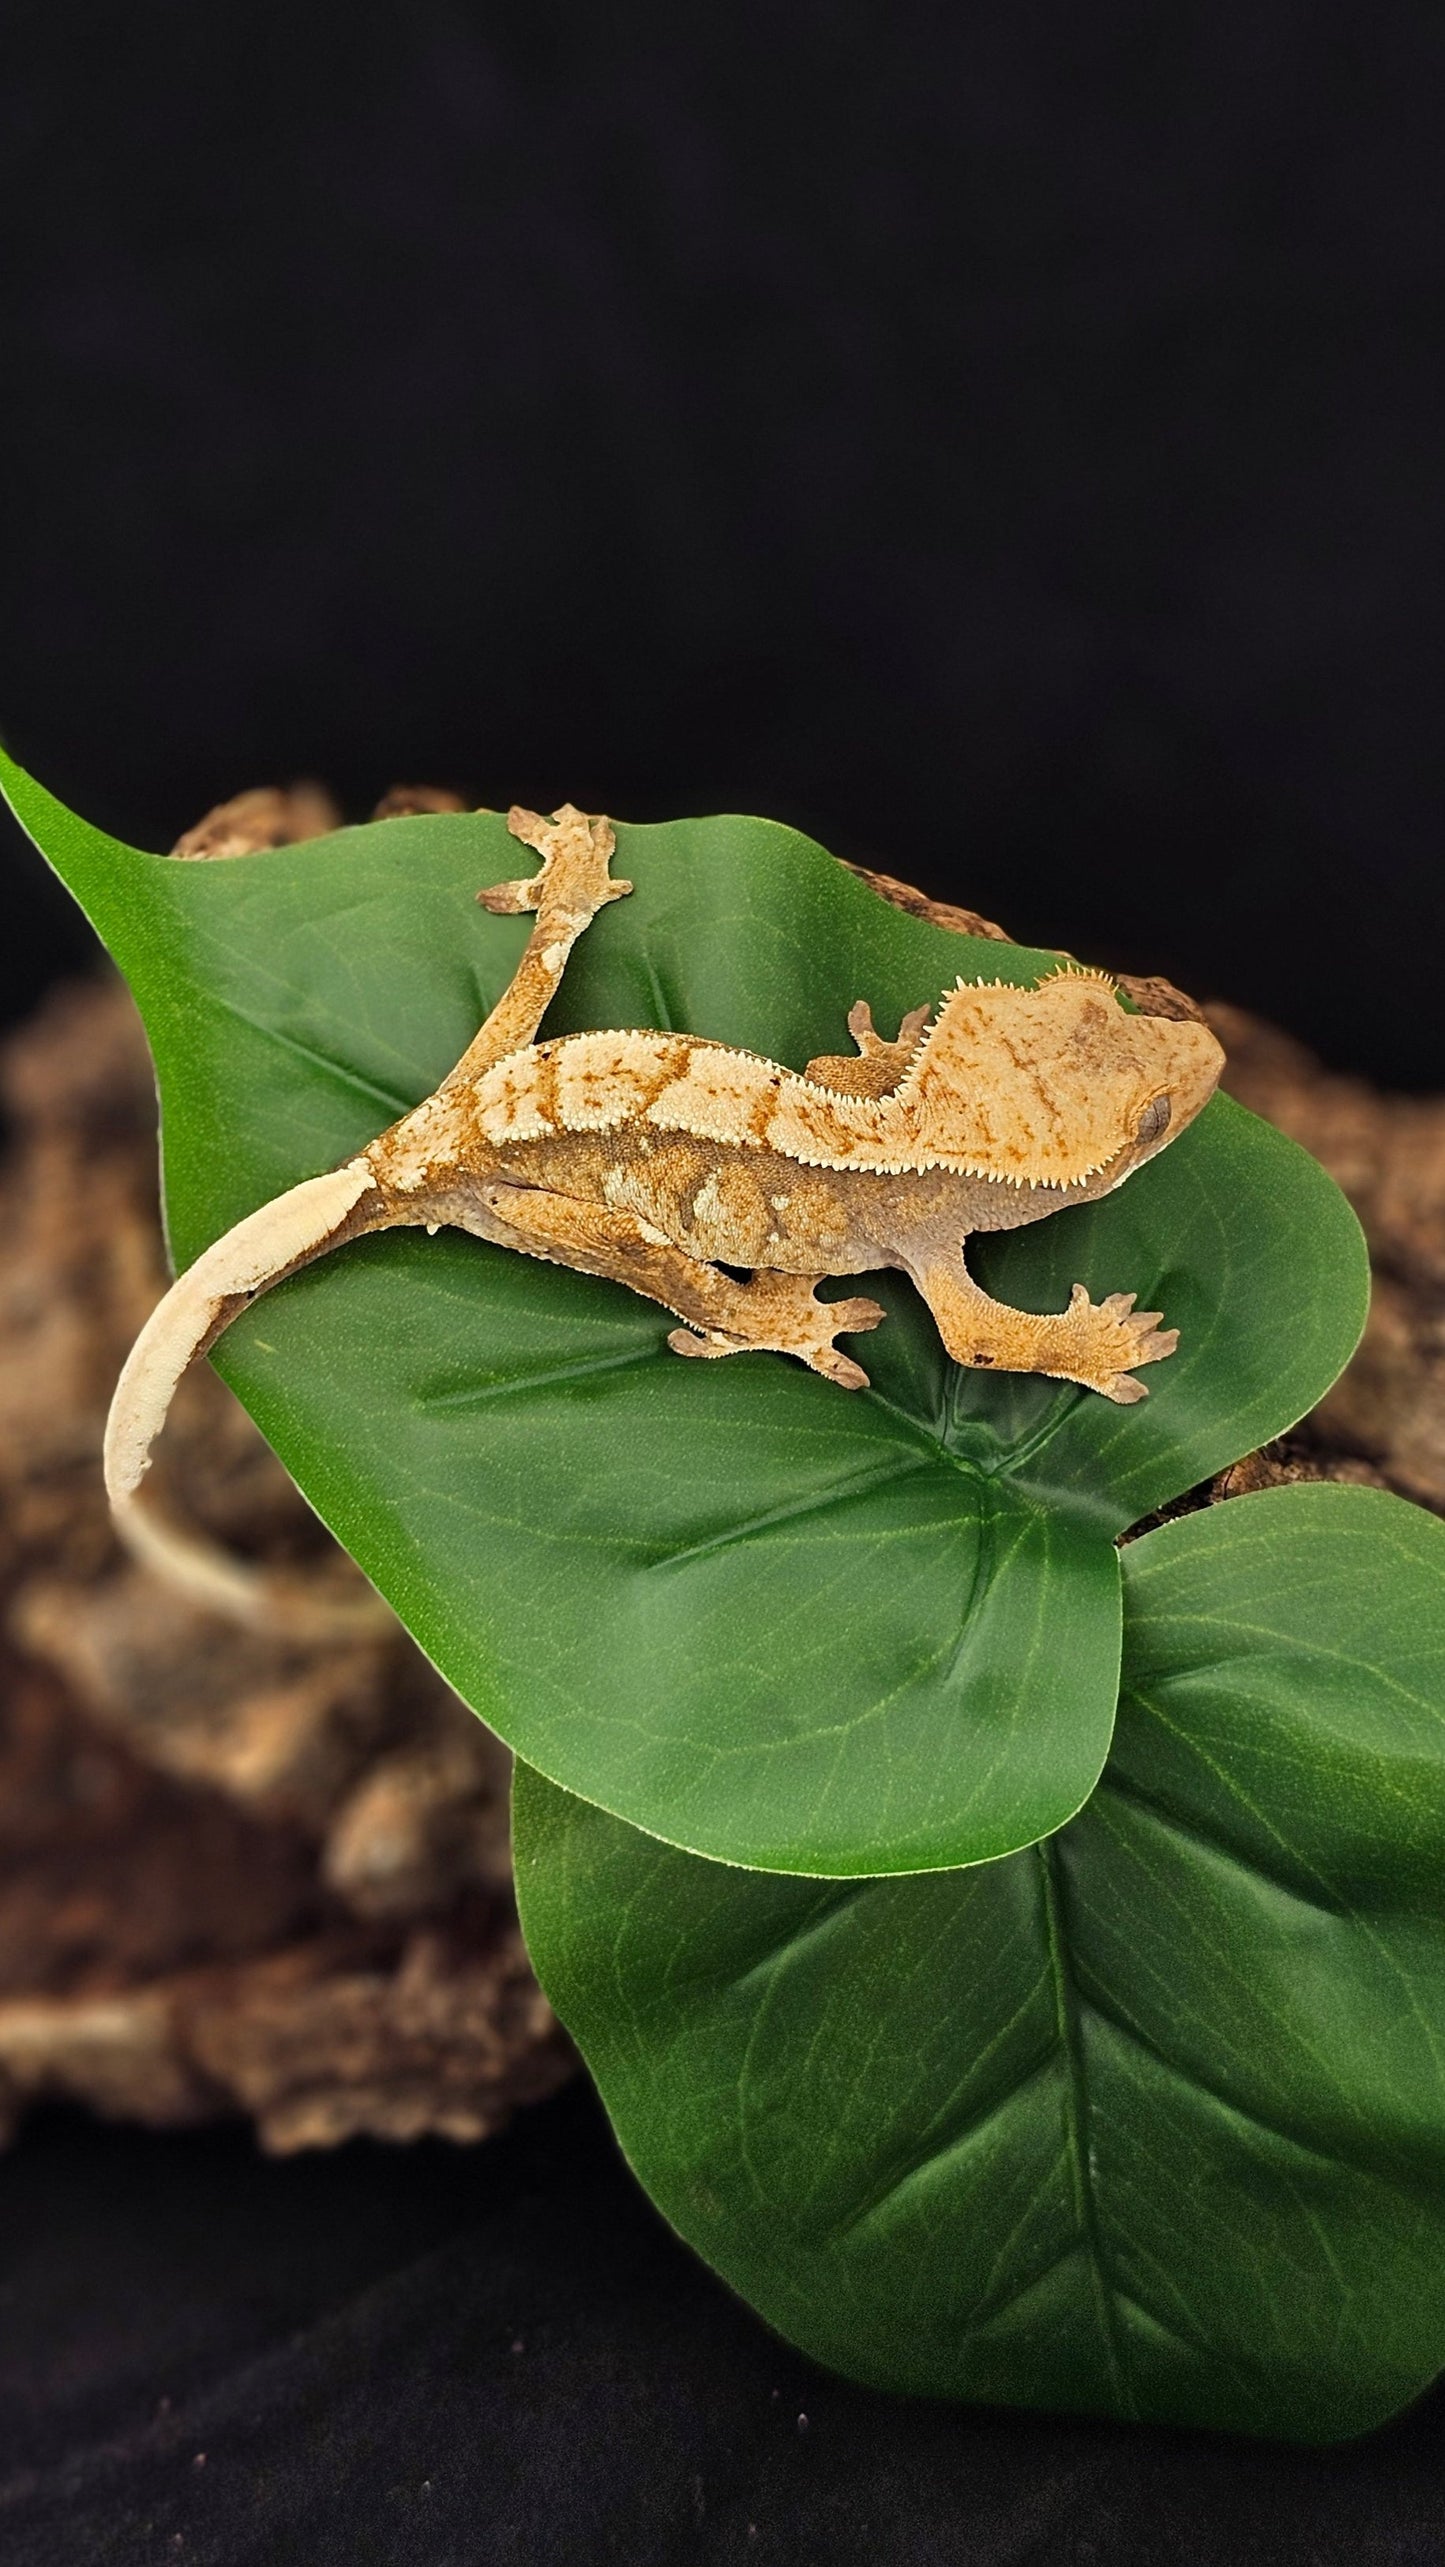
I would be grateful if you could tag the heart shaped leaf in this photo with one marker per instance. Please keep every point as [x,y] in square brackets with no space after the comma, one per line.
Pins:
[1147,2121]
[767,1620]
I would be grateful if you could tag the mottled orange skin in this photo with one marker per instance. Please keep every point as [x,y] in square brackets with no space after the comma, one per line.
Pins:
[663,1159]
[659,1158]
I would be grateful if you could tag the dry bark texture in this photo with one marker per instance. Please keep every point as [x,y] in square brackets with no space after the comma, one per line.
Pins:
[1387,1411]
[233,1874]
[241,1875]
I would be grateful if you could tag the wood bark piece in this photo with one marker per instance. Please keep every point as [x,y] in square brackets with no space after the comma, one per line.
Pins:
[1387,1411]
[239,1875]
[234,1874]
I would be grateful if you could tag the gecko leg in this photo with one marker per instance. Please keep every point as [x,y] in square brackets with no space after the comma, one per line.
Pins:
[773,1311]
[574,883]
[1092,1343]
[878,1065]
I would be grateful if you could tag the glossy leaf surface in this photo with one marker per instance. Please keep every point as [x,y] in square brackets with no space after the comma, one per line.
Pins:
[1149,2121]
[760,1617]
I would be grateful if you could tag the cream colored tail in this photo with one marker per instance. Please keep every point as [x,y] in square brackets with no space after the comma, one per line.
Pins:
[261,1250]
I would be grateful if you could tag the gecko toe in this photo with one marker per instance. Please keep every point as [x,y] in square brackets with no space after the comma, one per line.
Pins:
[705,1341]
[510,899]
[842,1370]
[851,1318]
[1123,1390]
[1153,1348]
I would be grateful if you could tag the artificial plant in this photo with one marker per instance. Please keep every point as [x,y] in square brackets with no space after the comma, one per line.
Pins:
[976,2073]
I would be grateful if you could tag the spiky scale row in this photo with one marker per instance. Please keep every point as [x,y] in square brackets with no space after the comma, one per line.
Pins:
[1016,1107]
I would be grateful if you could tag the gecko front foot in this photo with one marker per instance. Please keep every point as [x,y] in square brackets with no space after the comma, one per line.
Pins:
[574,883]
[785,1317]
[1101,1340]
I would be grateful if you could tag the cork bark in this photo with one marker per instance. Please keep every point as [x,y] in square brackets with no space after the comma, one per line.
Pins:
[235,1875]
[239,1875]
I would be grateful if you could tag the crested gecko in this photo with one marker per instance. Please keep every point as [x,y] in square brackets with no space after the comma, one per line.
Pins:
[662,1159]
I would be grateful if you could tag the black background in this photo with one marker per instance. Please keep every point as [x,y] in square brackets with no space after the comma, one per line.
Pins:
[1003,440]
[498,2357]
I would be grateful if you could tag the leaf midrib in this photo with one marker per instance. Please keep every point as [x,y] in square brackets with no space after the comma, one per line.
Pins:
[1069,2004]
[1014,1456]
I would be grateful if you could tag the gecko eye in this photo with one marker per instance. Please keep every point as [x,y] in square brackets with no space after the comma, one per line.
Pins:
[1154,1119]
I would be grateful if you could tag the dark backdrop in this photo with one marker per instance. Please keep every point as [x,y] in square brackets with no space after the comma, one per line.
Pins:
[1002,439]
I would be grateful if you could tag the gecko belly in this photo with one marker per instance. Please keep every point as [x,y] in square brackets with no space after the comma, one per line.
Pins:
[726,1207]
[753,1208]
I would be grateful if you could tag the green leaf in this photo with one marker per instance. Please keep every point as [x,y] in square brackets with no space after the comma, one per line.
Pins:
[766,1620]
[1148,2121]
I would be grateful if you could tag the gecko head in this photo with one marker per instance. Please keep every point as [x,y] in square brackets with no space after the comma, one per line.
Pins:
[1055,1086]
[1156,1074]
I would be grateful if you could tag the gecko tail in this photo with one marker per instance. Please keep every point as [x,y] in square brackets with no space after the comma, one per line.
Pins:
[262,1250]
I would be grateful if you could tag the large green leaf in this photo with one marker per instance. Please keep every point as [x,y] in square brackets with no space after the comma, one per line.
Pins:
[1148,2121]
[762,1618]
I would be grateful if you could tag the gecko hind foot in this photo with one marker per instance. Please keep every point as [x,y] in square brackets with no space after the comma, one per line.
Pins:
[576,848]
[792,1321]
